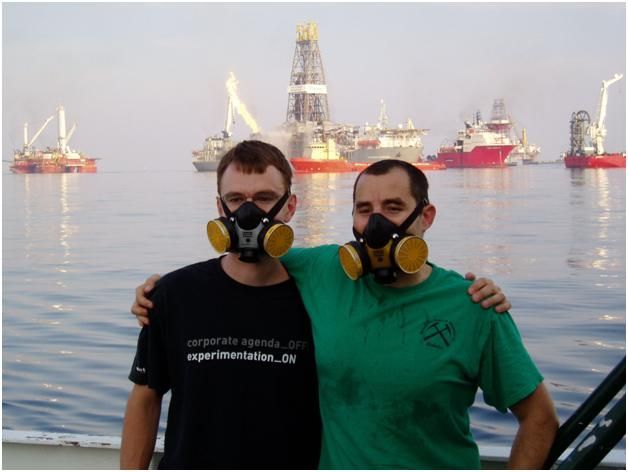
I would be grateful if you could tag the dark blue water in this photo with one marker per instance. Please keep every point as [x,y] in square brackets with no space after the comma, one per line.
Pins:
[75,246]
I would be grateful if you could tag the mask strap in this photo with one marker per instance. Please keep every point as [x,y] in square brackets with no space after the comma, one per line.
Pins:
[278,206]
[225,208]
[411,217]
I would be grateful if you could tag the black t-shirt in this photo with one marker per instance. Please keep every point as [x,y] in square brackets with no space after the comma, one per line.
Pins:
[239,361]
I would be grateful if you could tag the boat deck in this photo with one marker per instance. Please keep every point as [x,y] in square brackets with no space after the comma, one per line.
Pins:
[40,450]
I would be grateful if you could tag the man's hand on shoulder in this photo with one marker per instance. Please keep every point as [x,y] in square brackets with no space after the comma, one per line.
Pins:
[142,304]
[485,292]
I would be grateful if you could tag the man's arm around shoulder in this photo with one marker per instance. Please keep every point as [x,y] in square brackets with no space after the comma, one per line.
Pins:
[139,433]
[538,424]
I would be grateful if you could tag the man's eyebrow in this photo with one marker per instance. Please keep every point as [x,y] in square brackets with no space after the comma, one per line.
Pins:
[262,193]
[394,201]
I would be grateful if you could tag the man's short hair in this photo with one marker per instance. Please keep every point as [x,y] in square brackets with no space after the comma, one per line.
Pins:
[254,157]
[418,181]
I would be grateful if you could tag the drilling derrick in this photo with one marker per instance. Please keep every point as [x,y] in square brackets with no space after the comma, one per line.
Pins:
[307,93]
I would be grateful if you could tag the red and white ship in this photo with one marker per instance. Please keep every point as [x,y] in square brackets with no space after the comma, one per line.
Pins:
[477,145]
[323,157]
[57,160]
[587,139]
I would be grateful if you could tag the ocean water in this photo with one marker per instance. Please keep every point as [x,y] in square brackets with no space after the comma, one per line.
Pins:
[76,246]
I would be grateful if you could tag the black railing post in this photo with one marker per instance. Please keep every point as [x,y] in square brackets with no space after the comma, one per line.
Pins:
[587,412]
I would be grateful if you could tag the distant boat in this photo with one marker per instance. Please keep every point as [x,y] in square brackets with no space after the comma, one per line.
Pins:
[214,147]
[476,145]
[587,139]
[381,142]
[58,160]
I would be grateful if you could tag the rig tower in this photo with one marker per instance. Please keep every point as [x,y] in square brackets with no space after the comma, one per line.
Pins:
[307,93]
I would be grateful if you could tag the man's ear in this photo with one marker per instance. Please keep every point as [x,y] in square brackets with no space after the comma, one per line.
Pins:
[291,207]
[427,216]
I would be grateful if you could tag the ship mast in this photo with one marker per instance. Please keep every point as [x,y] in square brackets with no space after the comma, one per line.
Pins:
[382,122]
[229,119]
[597,131]
[62,141]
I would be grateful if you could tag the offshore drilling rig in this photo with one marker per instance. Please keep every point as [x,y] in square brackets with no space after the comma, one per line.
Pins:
[308,109]
[307,117]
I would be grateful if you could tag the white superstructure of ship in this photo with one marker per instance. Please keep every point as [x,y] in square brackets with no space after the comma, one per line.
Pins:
[214,147]
[381,142]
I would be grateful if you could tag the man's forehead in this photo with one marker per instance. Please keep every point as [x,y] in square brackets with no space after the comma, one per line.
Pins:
[392,185]
[236,180]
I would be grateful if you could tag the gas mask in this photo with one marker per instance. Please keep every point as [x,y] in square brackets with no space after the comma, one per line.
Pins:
[383,249]
[251,231]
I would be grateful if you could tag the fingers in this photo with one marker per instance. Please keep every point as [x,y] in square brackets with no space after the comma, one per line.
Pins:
[498,302]
[487,292]
[142,321]
[138,310]
[151,281]
[469,276]
[483,286]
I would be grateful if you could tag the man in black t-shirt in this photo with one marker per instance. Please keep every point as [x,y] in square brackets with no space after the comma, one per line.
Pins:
[230,338]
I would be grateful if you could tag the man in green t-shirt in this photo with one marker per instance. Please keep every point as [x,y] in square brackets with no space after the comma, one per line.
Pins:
[399,362]
[401,351]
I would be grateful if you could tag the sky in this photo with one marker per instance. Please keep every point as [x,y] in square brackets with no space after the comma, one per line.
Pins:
[145,82]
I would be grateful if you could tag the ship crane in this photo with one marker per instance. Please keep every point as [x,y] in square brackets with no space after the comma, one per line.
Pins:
[28,144]
[597,131]
[382,122]
[70,133]
[229,119]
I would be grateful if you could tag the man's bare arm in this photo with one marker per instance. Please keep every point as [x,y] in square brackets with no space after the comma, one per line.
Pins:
[139,433]
[538,424]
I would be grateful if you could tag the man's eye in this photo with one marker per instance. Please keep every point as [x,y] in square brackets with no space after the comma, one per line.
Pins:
[234,199]
[263,199]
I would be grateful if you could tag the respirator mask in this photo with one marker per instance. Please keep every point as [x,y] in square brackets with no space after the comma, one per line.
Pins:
[251,231]
[384,249]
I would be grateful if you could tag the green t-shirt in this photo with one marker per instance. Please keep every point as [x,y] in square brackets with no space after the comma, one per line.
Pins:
[398,368]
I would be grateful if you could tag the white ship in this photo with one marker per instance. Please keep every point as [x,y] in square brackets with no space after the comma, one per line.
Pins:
[381,142]
[524,152]
[208,158]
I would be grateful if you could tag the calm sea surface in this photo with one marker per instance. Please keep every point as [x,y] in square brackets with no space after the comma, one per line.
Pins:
[75,247]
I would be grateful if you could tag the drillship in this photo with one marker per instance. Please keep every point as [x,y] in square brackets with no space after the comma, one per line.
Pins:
[476,146]
[381,142]
[57,160]
[587,139]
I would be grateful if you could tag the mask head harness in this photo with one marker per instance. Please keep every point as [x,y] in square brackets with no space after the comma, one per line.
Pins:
[251,231]
[384,249]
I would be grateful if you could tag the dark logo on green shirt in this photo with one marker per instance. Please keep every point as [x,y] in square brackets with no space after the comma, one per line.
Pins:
[438,333]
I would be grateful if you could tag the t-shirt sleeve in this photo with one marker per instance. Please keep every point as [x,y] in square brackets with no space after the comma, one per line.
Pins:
[507,373]
[299,262]
[150,366]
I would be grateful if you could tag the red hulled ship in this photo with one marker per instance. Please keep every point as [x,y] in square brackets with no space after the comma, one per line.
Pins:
[587,139]
[324,158]
[476,145]
[59,160]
